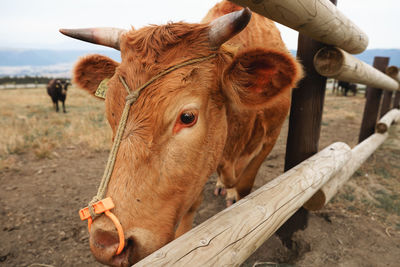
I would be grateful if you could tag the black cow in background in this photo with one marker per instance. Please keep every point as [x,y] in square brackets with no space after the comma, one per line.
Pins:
[345,87]
[57,90]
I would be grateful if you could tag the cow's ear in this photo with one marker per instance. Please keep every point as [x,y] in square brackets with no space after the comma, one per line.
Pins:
[91,70]
[255,77]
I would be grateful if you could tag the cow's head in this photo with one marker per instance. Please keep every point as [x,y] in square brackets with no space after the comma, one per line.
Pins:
[64,86]
[177,129]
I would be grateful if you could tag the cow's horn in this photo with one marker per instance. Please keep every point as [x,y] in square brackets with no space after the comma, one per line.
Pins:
[224,28]
[102,36]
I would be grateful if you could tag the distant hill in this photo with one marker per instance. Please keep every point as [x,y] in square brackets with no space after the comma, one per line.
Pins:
[368,56]
[12,58]
[50,63]
[59,63]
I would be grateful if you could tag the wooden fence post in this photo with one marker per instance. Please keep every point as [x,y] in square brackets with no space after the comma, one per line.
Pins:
[396,101]
[393,72]
[304,124]
[386,103]
[371,108]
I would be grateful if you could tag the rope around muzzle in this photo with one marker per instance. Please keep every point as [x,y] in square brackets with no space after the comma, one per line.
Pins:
[98,204]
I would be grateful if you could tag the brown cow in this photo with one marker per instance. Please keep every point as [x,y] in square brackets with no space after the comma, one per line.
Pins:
[222,114]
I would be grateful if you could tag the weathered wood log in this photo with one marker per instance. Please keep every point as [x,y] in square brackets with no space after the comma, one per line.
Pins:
[360,154]
[384,123]
[393,72]
[318,19]
[228,238]
[333,62]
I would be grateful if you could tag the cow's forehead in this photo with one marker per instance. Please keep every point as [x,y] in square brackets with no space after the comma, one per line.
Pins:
[161,44]
[170,90]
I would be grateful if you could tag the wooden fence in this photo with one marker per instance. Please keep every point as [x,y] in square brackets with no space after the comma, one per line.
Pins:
[311,178]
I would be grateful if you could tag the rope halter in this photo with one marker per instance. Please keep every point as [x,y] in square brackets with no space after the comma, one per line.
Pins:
[99,204]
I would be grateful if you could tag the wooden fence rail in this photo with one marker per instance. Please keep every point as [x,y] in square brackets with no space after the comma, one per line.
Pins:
[384,123]
[335,63]
[360,154]
[318,19]
[231,236]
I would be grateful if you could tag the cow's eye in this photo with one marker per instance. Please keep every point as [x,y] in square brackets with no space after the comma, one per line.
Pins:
[188,118]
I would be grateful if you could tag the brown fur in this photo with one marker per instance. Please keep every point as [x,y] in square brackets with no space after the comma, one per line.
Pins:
[241,97]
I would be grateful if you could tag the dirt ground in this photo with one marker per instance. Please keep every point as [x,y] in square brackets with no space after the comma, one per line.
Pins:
[40,198]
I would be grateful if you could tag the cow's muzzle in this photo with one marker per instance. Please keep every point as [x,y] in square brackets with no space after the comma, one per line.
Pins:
[104,244]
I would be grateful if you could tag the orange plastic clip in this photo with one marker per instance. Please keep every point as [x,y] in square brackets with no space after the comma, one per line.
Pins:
[99,207]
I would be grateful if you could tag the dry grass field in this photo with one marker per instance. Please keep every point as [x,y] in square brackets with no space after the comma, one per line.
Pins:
[51,164]
[29,124]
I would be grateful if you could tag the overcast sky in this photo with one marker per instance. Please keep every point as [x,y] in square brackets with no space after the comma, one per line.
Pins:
[35,23]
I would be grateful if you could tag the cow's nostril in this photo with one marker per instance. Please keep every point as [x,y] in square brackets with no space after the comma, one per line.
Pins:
[105,239]
[129,245]
[125,258]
